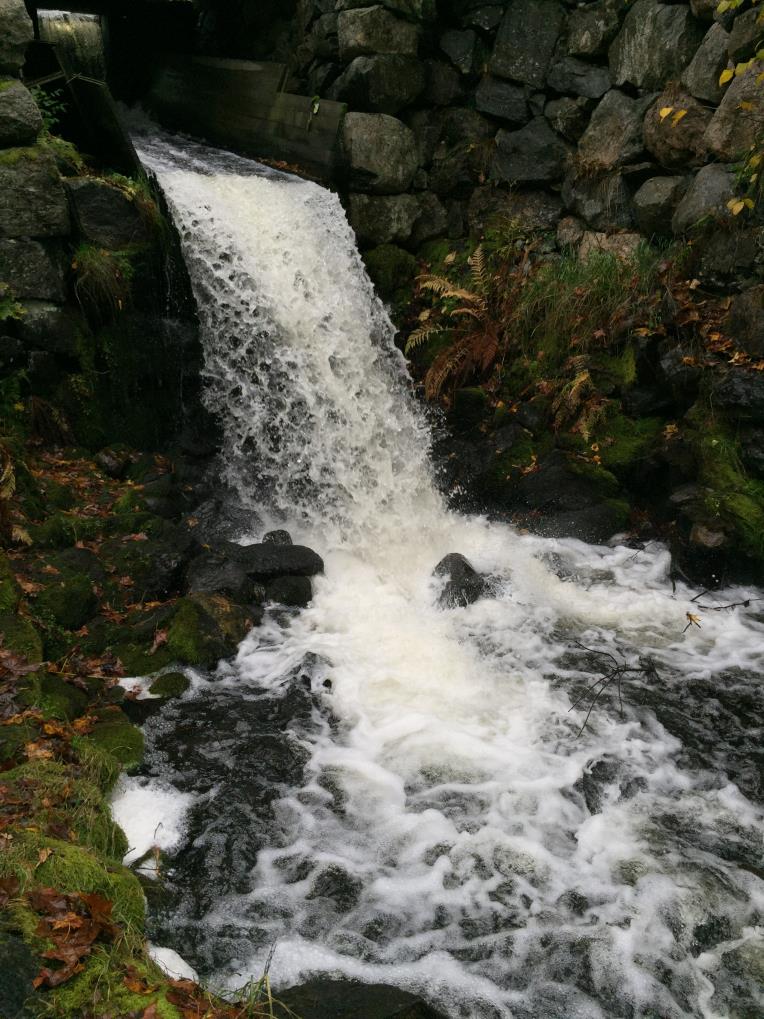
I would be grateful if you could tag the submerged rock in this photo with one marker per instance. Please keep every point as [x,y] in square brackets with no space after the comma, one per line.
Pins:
[464,584]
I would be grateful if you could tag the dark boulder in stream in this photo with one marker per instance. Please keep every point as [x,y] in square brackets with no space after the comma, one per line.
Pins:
[349,999]
[464,584]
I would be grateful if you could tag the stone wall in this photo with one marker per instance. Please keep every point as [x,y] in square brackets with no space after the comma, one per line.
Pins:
[550,111]
[86,321]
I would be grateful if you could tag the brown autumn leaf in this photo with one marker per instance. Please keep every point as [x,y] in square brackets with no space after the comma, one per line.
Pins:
[37,751]
[150,1012]
[43,855]
[9,887]
[47,568]
[28,586]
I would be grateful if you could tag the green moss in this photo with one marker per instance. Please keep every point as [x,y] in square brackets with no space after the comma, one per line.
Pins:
[54,697]
[615,371]
[205,629]
[54,790]
[390,268]
[20,636]
[170,684]
[15,737]
[10,593]
[62,530]
[733,500]
[9,157]
[69,600]
[599,477]
[73,868]
[625,441]
[100,989]
[114,734]
[130,502]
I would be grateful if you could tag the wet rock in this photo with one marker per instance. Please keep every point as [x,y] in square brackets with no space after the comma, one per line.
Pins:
[382,219]
[568,117]
[278,537]
[32,200]
[432,220]
[155,566]
[701,76]
[604,202]
[737,124]
[576,77]
[502,99]
[384,83]
[745,321]
[113,461]
[50,327]
[614,135]
[681,144]
[18,966]
[655,203]
[346,999]
[744,36]
[381,153]
[725,251]
[69,600]
[17,33]
[169,685]
[679,374]
[442,83]
[416,10]
[463,143]
[534,154]
[114,733]
[707,196]
[20,118]
[461,48]
[391,270]
[105,215]
[31,270]
[597,776]
[464,585]
[741,393]
[654,46]
[207,628]
[295,592]
[707,538]
[592,28]
[374,30]
[487,18]
[211,573]
[526,41]
[267,561]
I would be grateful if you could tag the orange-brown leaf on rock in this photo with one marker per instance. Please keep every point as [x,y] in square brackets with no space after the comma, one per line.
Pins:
[151,1011]
[43,855]
[160,638]
[134,982]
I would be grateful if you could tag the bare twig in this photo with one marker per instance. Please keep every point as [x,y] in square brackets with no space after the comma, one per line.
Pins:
[612,674]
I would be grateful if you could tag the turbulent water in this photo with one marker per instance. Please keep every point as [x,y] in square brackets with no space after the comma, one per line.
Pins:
[388,790]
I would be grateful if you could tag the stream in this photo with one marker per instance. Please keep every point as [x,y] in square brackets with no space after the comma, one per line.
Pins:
[385,789]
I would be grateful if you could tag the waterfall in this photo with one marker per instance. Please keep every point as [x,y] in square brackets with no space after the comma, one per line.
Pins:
[78,40]
[444,825]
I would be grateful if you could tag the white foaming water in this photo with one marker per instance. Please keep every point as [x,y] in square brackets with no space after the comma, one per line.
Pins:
[452,834]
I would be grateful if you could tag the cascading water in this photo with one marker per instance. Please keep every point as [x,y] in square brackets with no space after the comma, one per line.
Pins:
[433,820]
[78,40]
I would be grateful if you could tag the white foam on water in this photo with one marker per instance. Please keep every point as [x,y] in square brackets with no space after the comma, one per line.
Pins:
[151,815]
[448,798]
[174,965]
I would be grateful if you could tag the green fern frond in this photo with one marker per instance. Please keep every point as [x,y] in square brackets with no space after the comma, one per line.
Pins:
[421,336]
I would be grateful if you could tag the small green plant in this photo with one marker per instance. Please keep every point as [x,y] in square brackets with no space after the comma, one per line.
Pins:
[9,306]
[52,105]
[102,281]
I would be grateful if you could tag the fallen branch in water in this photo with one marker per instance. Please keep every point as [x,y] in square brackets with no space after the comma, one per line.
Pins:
[611,675]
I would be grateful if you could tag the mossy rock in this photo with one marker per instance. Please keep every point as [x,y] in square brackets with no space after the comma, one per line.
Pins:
[390,268]
[206,628]
[19,635]
[470,408]
[103,980]
[73,868]
[63,530]
[54,697]
[56,792]
[15,738]
[170,684]
[10,592]
[116,735]
[626,442]
[69,600]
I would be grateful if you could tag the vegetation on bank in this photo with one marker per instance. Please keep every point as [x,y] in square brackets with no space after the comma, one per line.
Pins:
[613,359]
